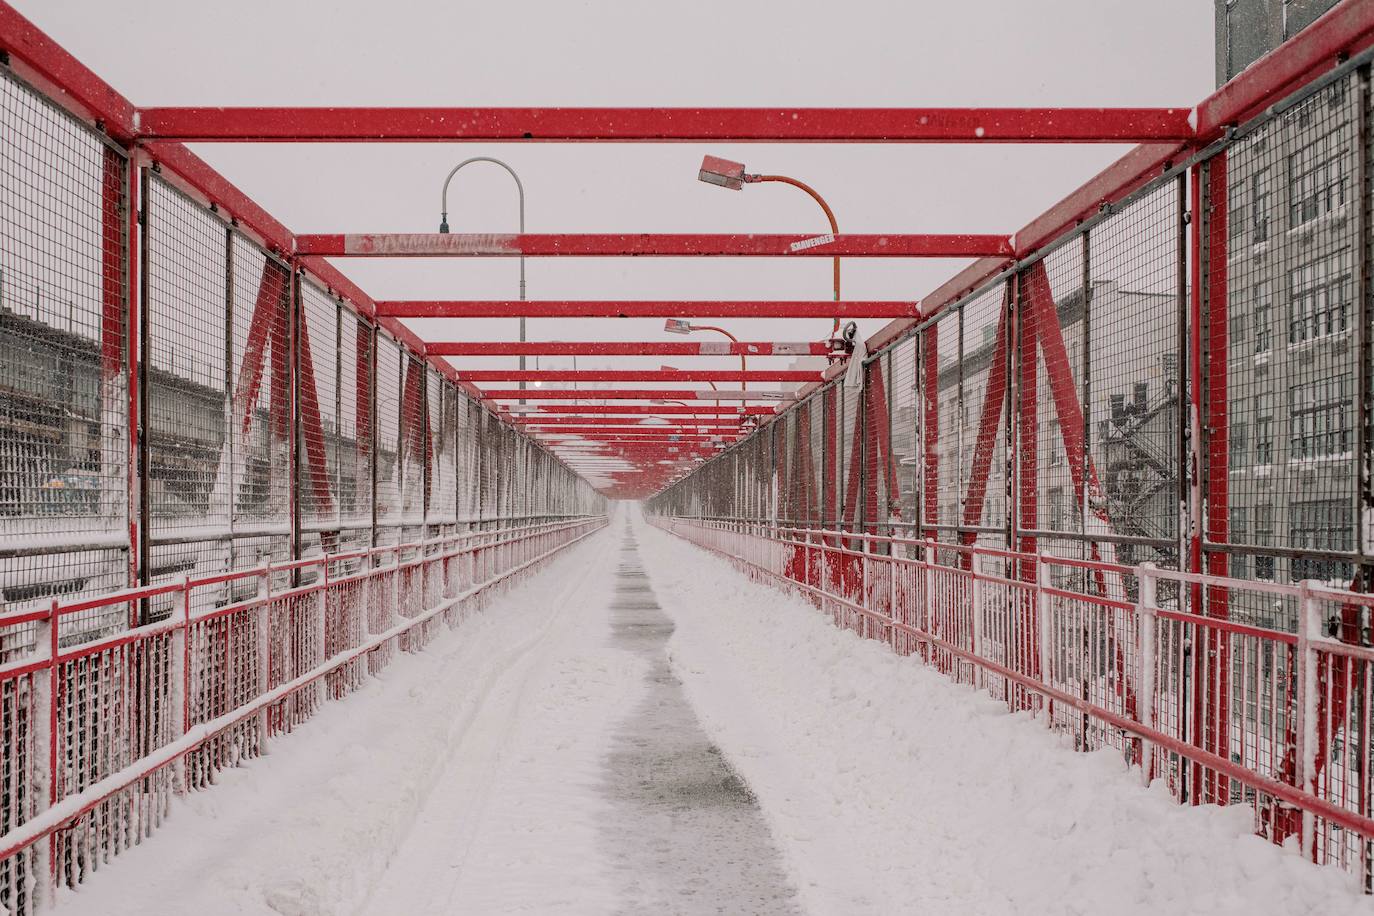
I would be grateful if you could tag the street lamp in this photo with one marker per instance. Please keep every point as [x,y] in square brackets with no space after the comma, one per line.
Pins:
[520,190]
[731,175]
[678,326]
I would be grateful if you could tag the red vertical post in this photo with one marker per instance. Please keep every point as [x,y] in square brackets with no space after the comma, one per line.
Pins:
[134,481]
[114,259]
[1028,483]
[930,388]
[1211,692]
[829,458]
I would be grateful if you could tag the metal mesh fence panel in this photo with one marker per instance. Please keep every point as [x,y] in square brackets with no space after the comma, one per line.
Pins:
[1286,196]
[387,455]
[63,364]
[186,389]
[1134,379]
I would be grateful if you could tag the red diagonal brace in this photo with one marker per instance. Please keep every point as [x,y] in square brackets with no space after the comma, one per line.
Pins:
[989,421]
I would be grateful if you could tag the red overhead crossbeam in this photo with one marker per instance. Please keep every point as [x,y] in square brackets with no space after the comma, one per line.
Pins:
[631,394]
[644,244]
[637,409]
[628,348]
[640,375]
[714,422]
[615,434]
[644,308]
[657,125]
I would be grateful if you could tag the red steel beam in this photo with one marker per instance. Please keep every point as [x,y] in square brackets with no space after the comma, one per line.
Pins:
[644,244]
[632,422]
[63,78]
[611,434]
[658,125]
[637,409]
[640,375]
[630,394]
[626,348]
[642,308]
[1342,32]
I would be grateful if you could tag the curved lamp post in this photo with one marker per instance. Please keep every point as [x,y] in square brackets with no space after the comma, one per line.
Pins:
[726,174]
[520,190]
[678,326]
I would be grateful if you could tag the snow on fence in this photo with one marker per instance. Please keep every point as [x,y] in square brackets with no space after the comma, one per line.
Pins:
[98,737]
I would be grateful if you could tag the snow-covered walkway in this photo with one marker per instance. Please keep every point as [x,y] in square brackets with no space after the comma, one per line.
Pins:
[641,729]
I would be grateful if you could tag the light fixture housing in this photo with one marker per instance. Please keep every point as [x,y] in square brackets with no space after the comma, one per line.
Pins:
[722,173]
[677,326]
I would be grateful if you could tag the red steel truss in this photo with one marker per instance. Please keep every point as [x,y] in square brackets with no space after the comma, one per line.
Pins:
[644,245]
[613,308]
[784,125]
[627,348]
[856,498]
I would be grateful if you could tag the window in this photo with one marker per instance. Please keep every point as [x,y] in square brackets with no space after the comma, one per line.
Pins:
[1319,418]
[1319,298]
[1263,328]
[1264,428]
[1259,195]
[1317,180]
[1326,525]
[1236,332]
[1239,445]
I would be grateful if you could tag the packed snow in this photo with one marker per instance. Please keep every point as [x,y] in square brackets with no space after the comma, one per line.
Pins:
[511,767]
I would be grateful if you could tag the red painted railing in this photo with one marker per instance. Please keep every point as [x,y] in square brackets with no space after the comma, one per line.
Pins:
[1108,671]
[99,736]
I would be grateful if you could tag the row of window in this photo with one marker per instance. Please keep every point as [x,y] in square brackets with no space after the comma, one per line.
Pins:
[1320,423]
[1320,305]
[1317,176]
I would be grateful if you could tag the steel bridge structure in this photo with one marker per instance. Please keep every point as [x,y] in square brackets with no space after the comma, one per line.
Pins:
[1115,472]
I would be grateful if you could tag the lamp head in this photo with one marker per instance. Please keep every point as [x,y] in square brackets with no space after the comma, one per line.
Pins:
[722,173]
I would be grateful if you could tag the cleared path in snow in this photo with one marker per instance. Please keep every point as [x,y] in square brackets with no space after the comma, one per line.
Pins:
[588,793]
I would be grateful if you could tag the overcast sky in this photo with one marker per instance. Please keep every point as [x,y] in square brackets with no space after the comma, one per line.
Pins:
[641,52]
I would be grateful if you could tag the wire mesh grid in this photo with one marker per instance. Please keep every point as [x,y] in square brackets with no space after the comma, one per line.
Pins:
[1289,311]
[1134,378]
[320,443]
[984,375]
[442,415]
[63,362]
[387,455]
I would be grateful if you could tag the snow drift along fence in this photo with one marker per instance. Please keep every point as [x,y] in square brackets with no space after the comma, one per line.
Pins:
[99,736]
[1107,673]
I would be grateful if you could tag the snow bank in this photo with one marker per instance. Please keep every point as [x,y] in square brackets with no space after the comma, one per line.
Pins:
[310,829]
[890,789]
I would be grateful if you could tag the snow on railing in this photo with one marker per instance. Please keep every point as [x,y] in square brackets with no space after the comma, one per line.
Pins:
[99,737]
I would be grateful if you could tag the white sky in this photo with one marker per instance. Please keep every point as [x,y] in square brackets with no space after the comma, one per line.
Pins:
[623,52]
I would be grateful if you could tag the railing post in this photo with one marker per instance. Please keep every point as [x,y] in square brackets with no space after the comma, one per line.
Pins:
[865,558]
[977,594]
[322,620]
[1043,611]
[1305,728]
[179,677]
[1146,621]
[928,597]
[264,654]
[44,766]
[892,595]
